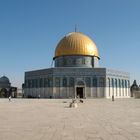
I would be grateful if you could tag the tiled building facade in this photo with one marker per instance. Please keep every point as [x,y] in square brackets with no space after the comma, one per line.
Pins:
[76,73]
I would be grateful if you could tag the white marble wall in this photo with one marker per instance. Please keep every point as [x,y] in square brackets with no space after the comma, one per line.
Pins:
[117,92]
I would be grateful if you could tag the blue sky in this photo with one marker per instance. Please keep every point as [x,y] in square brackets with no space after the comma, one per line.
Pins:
[31,29]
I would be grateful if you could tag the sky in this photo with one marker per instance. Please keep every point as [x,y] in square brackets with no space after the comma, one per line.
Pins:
[31,29]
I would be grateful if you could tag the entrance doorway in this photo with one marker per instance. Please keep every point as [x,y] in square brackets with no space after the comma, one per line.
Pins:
[79,91]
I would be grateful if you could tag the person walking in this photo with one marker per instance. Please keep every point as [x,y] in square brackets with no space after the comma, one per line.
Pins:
[9,98]
[39,96]
[112,97]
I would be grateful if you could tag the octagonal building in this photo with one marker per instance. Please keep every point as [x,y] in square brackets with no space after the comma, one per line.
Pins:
[76,73]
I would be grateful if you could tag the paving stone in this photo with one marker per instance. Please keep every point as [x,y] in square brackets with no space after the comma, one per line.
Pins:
[50,119]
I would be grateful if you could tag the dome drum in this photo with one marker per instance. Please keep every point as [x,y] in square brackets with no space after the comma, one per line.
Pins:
[76,61]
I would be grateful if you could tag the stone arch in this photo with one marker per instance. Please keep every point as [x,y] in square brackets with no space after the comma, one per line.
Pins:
[4,92]
[108,85]
[116,86]
[112,85]
[80,83]
[119,85]
[122,87]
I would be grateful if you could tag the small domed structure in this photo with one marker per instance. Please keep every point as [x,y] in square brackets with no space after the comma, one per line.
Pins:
[4,86]
[4,82]
[4,79]
[6,89]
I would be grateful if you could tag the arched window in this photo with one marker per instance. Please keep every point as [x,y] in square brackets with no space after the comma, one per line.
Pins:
[40,82]
[57,82]
[26,83]
[119,83]
[88,81]
[125,84]
[116,83]
[64,82]
[50,82]
[112,82]
[108,83]
[71,82]
[128,83]
[29,83]
[36,83]
[94,81]
[46,82]
[101,82]
[33,83]
[122,83]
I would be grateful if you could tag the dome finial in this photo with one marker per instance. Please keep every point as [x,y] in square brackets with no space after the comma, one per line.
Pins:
[75,28]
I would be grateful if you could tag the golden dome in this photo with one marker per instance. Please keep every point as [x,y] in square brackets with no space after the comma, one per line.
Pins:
[76,43]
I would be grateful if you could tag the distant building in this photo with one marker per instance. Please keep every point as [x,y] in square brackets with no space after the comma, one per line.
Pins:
[76,73]
[6,89]
[135,90]
[19,92]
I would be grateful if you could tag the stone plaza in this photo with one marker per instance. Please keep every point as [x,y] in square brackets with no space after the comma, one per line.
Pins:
[52,119]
